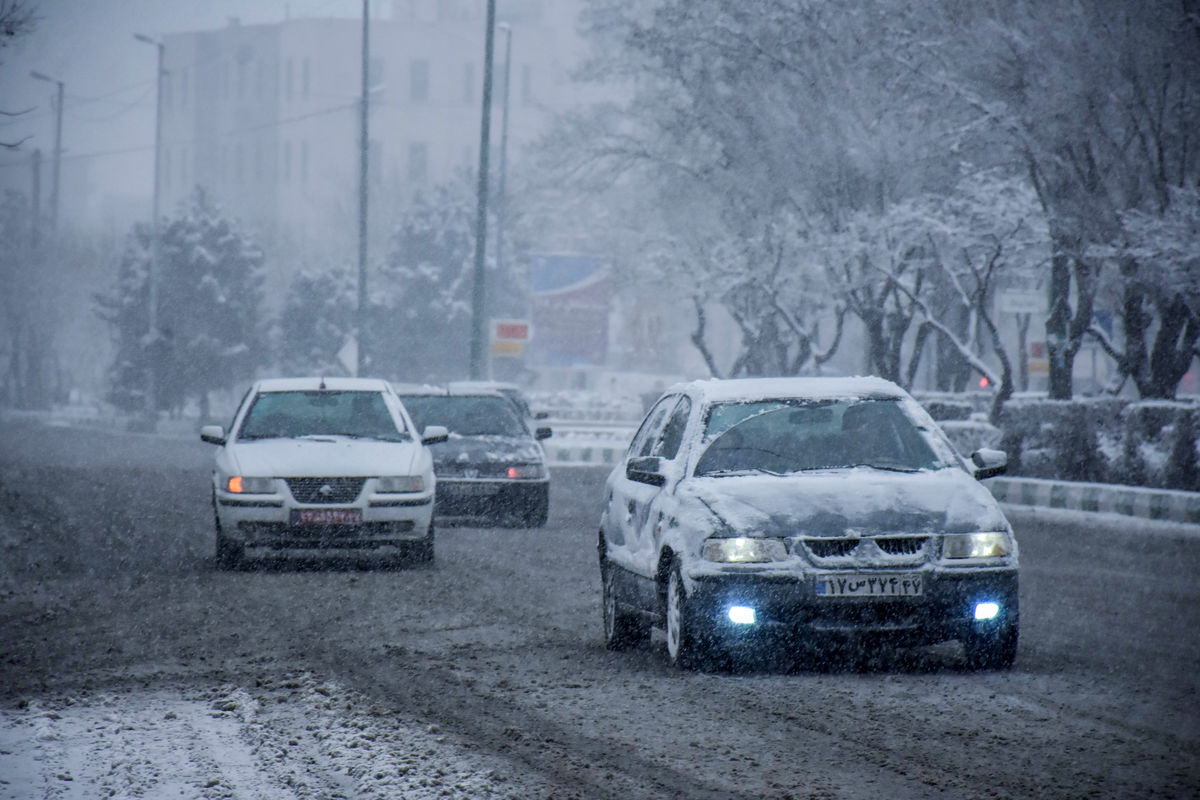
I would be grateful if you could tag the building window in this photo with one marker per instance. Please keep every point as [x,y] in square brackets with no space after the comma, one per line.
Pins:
[419,82]
[418,163]
[287,161]
[166,167]
[469,84]
[526,84]
[183,87]
[238,173]
[375,74]
[304,78]
[287,81]
[224,80]
[304,162]
[258,162]
[260,78]
[183,154]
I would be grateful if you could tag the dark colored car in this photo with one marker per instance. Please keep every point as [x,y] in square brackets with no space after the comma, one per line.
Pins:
[492,466]
[805,513]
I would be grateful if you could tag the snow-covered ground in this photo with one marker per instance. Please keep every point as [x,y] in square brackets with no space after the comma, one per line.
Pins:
[294,739]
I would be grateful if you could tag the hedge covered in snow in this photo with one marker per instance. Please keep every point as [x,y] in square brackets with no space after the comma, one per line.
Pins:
[1097,439]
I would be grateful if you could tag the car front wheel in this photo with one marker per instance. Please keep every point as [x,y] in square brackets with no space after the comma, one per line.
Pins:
[995,649]
[622,630]
[229,552]
[684,647]
[422,551]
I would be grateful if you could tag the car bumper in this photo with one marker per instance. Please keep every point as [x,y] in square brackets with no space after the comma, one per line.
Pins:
[271,522]
[484,498]
[790,609]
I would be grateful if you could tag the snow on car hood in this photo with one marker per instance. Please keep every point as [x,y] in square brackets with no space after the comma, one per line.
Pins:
[830,502]
[486,450]
[324,456]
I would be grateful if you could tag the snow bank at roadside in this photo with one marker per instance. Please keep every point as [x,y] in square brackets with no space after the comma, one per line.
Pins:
[293,738]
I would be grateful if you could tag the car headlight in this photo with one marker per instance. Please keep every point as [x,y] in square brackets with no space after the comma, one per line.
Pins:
[744,550]
[240,484]
[992,544]
[397,484]
[525,471]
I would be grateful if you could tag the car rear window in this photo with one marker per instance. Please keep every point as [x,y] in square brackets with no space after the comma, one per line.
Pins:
[466,415]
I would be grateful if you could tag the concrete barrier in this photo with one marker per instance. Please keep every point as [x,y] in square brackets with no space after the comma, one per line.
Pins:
[1131,501]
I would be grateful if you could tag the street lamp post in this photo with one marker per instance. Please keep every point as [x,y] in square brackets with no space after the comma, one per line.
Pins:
[478,294]
[58,108]
[152,273]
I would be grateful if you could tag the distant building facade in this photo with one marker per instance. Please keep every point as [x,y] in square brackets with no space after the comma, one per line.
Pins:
[265,118]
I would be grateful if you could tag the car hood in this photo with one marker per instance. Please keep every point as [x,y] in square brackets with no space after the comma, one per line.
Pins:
[831,502]
[460,449]
[326,456]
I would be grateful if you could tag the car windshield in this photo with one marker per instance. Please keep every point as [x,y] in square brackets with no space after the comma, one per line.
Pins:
[320,413]
[783,436]
[466,415]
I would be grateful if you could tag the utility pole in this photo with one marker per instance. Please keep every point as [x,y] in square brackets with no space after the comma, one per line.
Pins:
[58,108]
[36,205]
[501,197]
[152,274]
[363,149]
[478,295]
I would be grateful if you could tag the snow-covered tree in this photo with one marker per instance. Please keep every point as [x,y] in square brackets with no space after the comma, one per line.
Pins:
[319,318]
[209,290]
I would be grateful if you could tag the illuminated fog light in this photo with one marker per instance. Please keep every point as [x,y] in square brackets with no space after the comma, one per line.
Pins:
[742,615]
[986,610]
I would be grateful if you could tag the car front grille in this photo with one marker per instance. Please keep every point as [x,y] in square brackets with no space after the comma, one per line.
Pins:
[836,547]
[901,545]
[325,491]
[831,548]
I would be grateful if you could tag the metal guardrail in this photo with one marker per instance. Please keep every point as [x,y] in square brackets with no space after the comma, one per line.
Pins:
[1129,501]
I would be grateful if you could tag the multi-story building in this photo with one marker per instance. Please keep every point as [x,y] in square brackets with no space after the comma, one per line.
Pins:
[266,117]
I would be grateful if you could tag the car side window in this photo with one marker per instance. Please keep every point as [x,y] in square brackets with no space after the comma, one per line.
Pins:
[672,435]
[647,435]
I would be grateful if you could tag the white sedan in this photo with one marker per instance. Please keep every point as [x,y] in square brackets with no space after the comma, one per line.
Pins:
[806,513]
[323,463]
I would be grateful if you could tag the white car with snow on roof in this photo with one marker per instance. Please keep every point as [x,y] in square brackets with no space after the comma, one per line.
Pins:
[330,463]
[804,512]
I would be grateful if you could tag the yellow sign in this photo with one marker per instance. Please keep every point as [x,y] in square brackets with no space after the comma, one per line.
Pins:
[1039,366]
[503,348]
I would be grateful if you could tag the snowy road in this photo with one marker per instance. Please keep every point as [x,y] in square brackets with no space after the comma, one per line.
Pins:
[129,667]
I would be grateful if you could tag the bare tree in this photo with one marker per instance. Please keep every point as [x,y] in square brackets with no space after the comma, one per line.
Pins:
[16,20]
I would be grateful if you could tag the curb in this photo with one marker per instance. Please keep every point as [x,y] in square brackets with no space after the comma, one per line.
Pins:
[1129,501]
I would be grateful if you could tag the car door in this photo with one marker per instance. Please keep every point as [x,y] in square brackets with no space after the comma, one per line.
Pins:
[629,500]
[668,446]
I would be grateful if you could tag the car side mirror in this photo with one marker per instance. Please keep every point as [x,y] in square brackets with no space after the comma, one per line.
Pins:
[645,469]
[213,434]
[541,415]
[435,434]
[989,463]
[542,433]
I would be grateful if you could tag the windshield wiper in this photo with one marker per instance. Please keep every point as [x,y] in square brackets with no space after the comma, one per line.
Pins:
[886,467]
[725,473]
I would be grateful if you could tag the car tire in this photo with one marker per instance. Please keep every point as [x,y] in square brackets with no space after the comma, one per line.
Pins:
[622,630]
[230,553]
[538,512]
[685,648]
[995,649]
[422,551]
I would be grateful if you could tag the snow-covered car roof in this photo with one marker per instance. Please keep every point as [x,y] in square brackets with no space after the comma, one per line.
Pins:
[315,384]
[473,387]
[418,388]
[739,389]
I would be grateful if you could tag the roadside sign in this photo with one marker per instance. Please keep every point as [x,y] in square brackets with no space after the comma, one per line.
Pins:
[511,330]
[1021,301]
[500,347]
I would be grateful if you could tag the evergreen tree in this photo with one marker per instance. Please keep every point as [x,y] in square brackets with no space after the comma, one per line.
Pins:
[209,289]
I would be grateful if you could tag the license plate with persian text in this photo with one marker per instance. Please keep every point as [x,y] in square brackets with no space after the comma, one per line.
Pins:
[863,585]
